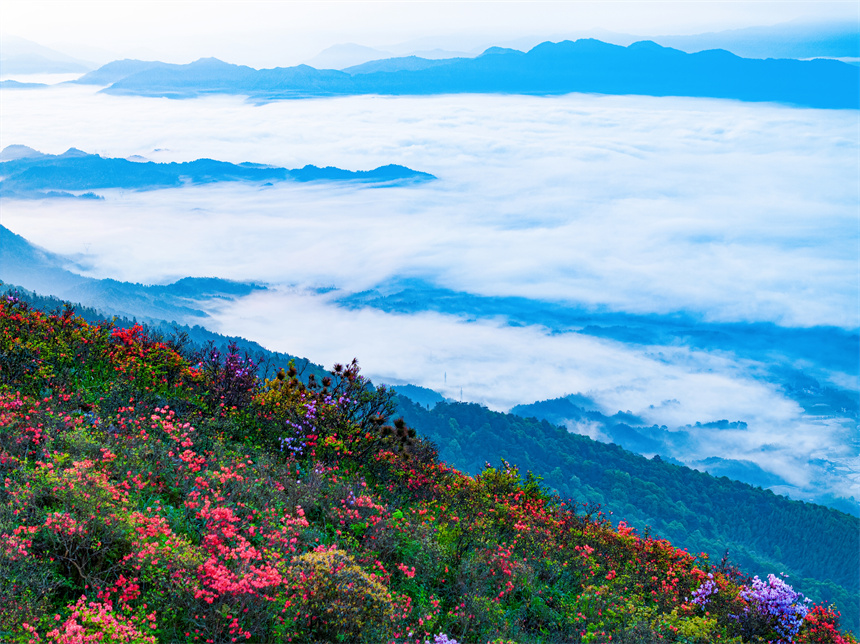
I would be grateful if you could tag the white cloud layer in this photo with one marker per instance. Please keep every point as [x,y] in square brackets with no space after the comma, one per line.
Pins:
[735,211]
[500,366]
[727,210]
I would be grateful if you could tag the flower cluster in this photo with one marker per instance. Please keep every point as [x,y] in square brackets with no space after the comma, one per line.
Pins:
[777,603]
[702,595]
[231,379]
[92,622]
[441,638]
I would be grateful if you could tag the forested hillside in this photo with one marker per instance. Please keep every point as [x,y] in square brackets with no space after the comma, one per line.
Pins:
[157,491]
[759,529]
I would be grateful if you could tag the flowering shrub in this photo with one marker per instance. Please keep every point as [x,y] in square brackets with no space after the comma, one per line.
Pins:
[334,598]
[230,380]
[96,622]
[822,625]
[771,606]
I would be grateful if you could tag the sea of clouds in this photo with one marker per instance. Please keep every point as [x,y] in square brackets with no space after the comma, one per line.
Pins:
[727,211]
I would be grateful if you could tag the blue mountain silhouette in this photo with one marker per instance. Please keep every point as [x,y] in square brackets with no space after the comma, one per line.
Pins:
[28,176]
[585,65]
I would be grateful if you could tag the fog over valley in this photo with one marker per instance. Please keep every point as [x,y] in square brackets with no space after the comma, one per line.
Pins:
[639,204]
[658,250]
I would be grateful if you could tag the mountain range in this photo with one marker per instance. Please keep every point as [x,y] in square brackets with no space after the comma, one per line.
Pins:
[796,39]
[30,174]
[586,65]
[801,39]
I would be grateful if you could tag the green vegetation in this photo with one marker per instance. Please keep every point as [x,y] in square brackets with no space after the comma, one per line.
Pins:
[158,493]
[760,530]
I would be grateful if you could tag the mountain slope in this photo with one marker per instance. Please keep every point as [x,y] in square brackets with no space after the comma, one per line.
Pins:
[21,56]
[758,529]
[477,435]
[26,265]
[165,500]
[695,510]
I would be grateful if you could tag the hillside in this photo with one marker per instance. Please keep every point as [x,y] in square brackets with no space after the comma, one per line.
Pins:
[756,528]
[154,493]
[26,265]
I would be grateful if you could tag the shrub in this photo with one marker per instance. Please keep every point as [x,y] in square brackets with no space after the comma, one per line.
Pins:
[335,600]
[96,622]
[771,608]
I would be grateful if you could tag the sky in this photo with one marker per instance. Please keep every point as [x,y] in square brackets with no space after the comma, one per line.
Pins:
[272,33]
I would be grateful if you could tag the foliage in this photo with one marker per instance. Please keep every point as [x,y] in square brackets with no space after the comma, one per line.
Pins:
[693,509]
[334,599]
[772,606]
[154,495]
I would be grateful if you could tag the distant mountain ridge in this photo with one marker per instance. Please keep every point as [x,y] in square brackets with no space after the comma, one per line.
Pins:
[404,63]
[21,56]
[117,70]
[797,39]
[30,174]
[586,65]
[33,268]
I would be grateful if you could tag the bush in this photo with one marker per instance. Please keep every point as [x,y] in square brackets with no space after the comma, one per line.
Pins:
[335,600]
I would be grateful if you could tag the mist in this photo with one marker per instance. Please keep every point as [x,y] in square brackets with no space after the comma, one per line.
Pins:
[720,210]
[498,365]
[731,210]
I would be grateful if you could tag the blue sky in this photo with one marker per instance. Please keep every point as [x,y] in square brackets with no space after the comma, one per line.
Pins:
[271,33]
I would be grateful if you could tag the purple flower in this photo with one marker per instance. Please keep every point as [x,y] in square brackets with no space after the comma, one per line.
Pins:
[777,602]
[702,595]
[292,445]
[441,638]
